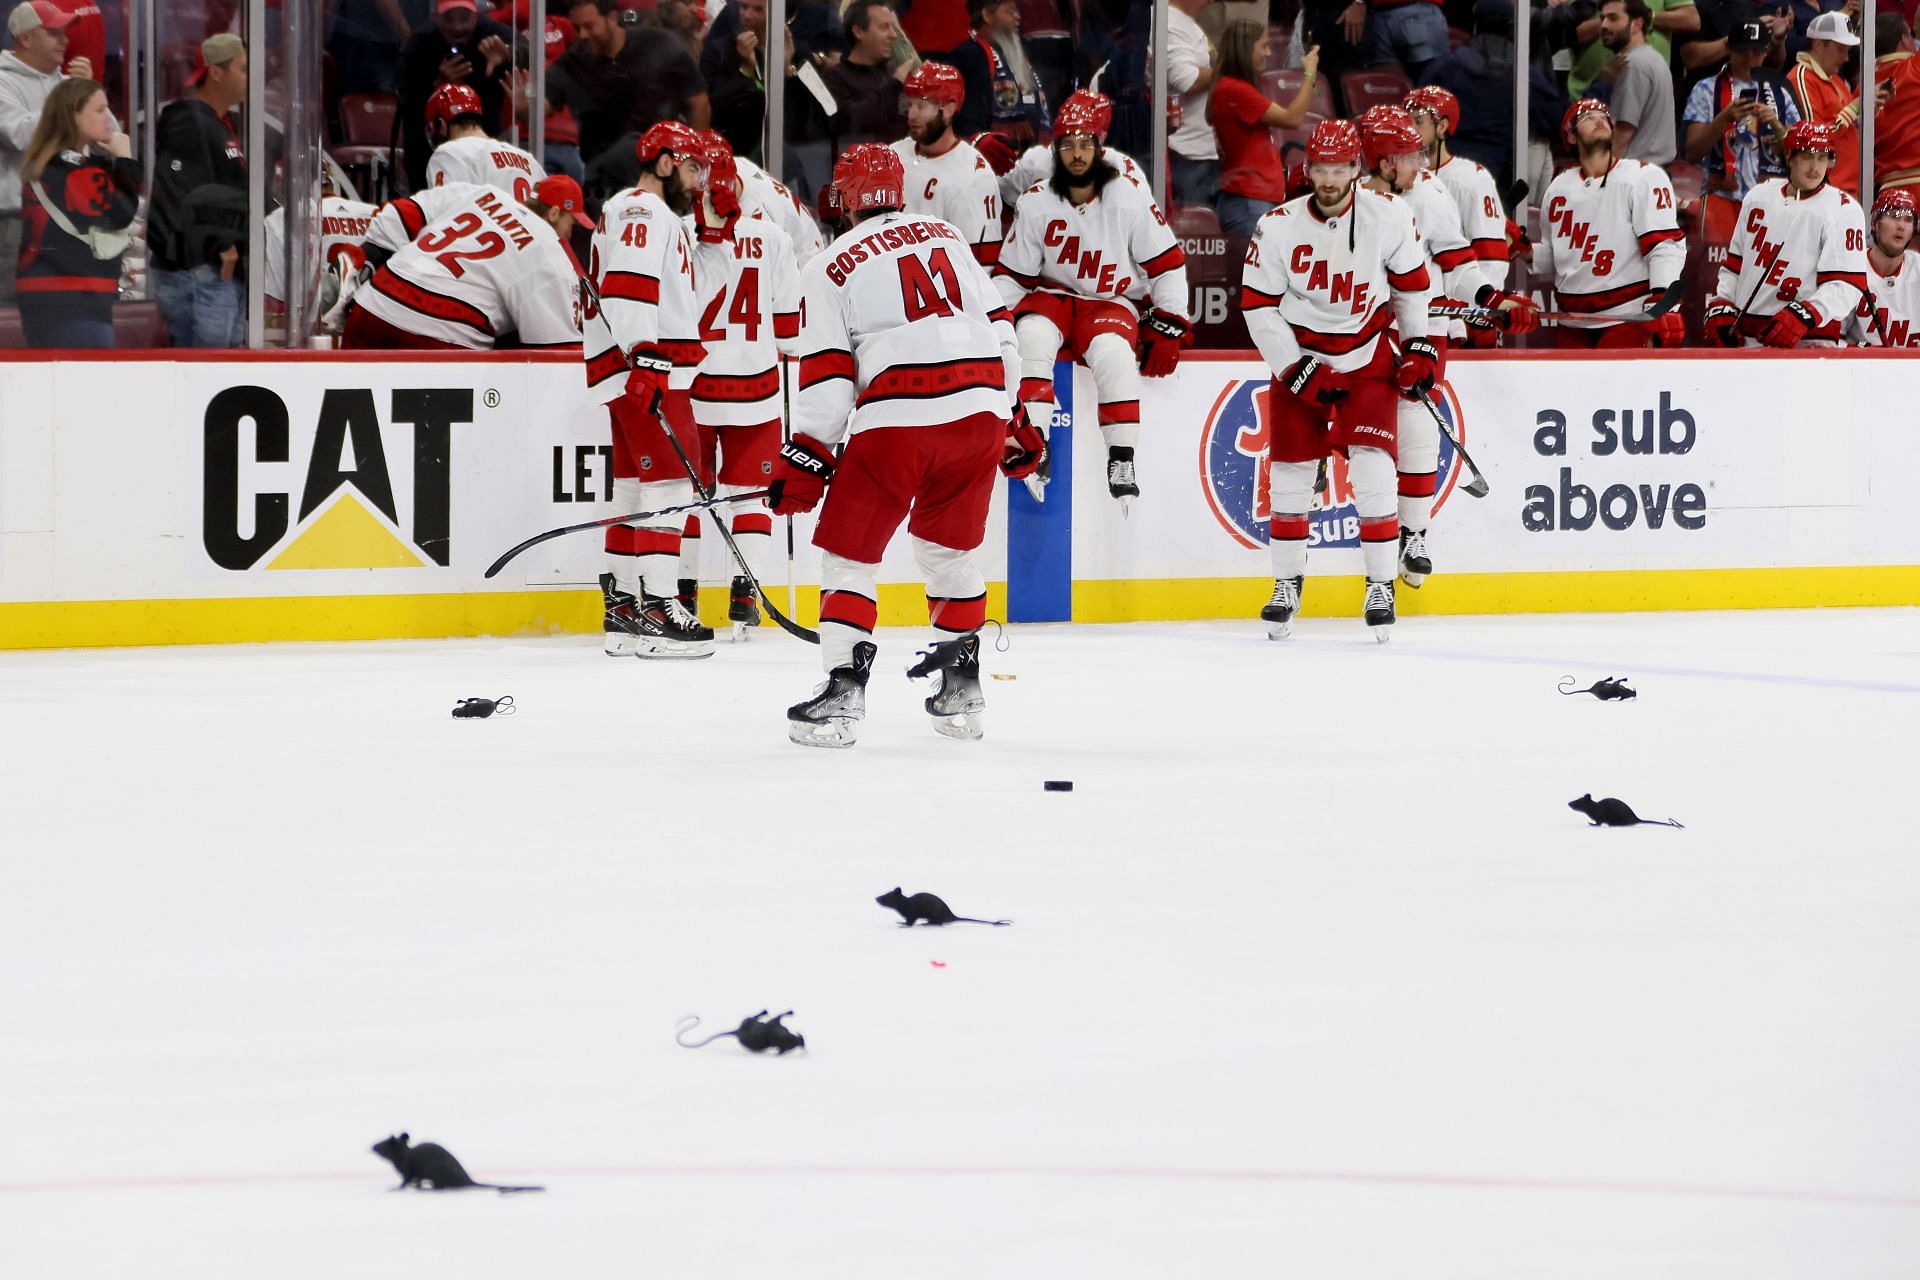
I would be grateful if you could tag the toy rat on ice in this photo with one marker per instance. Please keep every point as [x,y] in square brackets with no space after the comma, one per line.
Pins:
[927,907]
[756,1034]
[430,1167]
[1609,812]
[1613,689]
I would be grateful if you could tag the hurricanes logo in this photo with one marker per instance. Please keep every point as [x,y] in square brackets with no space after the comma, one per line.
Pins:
[1233,468]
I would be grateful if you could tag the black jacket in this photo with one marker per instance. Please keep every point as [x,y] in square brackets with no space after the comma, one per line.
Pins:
[420,60]
[92,193]
[199,189]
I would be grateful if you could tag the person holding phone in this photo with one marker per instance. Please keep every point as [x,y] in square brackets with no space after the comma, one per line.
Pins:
[80,191]
[462,47]
[1737,119]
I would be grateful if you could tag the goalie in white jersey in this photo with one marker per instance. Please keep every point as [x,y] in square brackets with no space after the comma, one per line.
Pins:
[1091,264]
[748,292]
[1889,316]
[484,266]
[1393,151]
[1035,164]
[946,177]
[464,152]
[1610,239]
[1797,266]
[907,355]
[1326,276]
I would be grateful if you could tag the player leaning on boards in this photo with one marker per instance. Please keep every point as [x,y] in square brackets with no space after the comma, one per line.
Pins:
[1392,148]
[1610,239]
[1091,263]
[1326,275]
[464,153]
[924,438]
[1797,267]
[1889,316]
[947,177]
[643,349]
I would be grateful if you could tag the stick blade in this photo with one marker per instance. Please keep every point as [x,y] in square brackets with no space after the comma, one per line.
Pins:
[1477,487]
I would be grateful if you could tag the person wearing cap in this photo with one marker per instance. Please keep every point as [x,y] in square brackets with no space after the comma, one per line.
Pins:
[28,73]
[1825,96]
[1002,94]
[1737,119]
[197,226]
[462,47]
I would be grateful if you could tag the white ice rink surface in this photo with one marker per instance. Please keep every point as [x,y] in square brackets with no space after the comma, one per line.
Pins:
[1313,975]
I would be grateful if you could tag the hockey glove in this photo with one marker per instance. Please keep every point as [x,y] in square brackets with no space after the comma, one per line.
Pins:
[1669,330]
[1519,244]
[647,379]
[1314,381]
[1718,326]
[800,476]
[1161,337]
[1511,312]
[1791,325]
[1482,333]
[999,154]
[1025,446]
[1419,366]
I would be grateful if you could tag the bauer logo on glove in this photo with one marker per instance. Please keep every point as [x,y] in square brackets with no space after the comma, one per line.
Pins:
[800,476]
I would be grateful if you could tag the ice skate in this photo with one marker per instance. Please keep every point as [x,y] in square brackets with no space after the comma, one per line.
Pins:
[1278,612]
[830,718]
[1380,609]
[689,595]
[621,623]
[743,608]
[1121,482]
[957,703]
[665,629]
[1415,564]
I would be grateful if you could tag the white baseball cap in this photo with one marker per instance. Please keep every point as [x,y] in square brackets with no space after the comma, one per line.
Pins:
[1832,26]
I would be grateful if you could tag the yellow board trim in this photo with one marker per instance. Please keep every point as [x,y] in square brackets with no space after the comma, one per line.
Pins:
[93,623]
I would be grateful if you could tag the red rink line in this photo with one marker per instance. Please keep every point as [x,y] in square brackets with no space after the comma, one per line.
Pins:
[1466,1182]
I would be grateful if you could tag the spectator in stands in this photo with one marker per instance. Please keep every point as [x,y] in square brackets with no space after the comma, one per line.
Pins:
[1410,32]
[1896,126]
[1642,101]
[197,226]
[867,93]
[1737,118]
[935,26]
[460,48]
[817,39]
[1706,51]
[620,81]
[1803,12]
[28,73]
[1194,149]
[1002,95]
[1252,177]
[1825,96]
[684,21]
[1671,19]
[365,41]
[83,190]
[733,62]
[1480,75]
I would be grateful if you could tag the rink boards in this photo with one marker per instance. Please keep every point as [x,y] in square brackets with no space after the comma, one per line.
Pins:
[315,497]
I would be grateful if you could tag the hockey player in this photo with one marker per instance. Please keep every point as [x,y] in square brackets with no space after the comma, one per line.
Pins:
[907,355]
[1092,264]
[643,349]
[1035,164]
[1392,148]
[1611,241]
[1326,275]
[463,151]
[1889,316]
[761,194]
[1797,267]
[483,266]
[1436,114]
[946,177]
[748,293]
[343,228]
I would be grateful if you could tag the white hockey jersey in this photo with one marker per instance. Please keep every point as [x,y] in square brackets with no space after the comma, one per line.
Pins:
[1457,272]
[900,327]
[642,265]
[486,162]
[343,226]
[956,186]
[397,222]
[1036,165]
[1482,217]
[1889,315]
[1116,246]
[748,290]
[1610,243]
[1322,285]
[485,267]
[1811,249]
[760,193]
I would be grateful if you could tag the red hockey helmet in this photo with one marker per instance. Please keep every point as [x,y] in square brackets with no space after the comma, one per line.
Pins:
[1896,203]
[870,176]
[721,169]
[1334,142]
[670,136]
[1386,132]
[449,102]
[936,82]
[1435,101]
[1570,123]
[1808,136]
[1085,111]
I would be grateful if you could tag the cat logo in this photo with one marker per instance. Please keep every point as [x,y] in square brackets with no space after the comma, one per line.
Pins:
[348,516]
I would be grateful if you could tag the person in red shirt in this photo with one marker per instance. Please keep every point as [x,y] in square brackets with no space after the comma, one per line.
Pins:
[1252,178]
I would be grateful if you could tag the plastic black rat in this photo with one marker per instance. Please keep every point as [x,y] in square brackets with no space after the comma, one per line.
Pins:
[1612,689]
[756,1034]
[1609,812]
[927,907]
[430,1167]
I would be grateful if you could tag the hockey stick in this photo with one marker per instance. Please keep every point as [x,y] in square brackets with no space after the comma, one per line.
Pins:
[1757,286]
[1451,309]
[785,623]
[1476,485]
[1516,192]
[584,525]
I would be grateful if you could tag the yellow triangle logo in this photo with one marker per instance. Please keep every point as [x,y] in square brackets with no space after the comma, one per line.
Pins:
[346,536]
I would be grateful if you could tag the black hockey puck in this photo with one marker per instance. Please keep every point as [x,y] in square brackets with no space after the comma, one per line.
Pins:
[1057,786]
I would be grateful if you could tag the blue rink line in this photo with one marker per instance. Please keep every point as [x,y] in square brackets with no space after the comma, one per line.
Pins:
[1040,534]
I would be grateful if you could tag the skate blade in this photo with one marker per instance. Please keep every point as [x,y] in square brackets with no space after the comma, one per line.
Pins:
[840,731]
[967,726]
[741,632]
[1412,579]
[1126,505]
[623,648]
[1037,488]
[1279,630]
[1382,633]
[669,651]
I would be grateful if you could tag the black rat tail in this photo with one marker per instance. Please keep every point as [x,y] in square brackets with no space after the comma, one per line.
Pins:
[1567,690]
[506,1191]
[687,1024]
[1663,822]
[974,920]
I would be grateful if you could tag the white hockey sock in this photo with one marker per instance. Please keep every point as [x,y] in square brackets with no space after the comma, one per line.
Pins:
[849,607]
[1116,380]
[645,559]
[1419,448]
[1371,473]
[1290,486]
[752,526]
[956,589]
[690,548]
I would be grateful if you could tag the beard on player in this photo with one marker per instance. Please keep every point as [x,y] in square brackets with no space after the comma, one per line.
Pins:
[677,192]
[1095,174]
[928,135]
